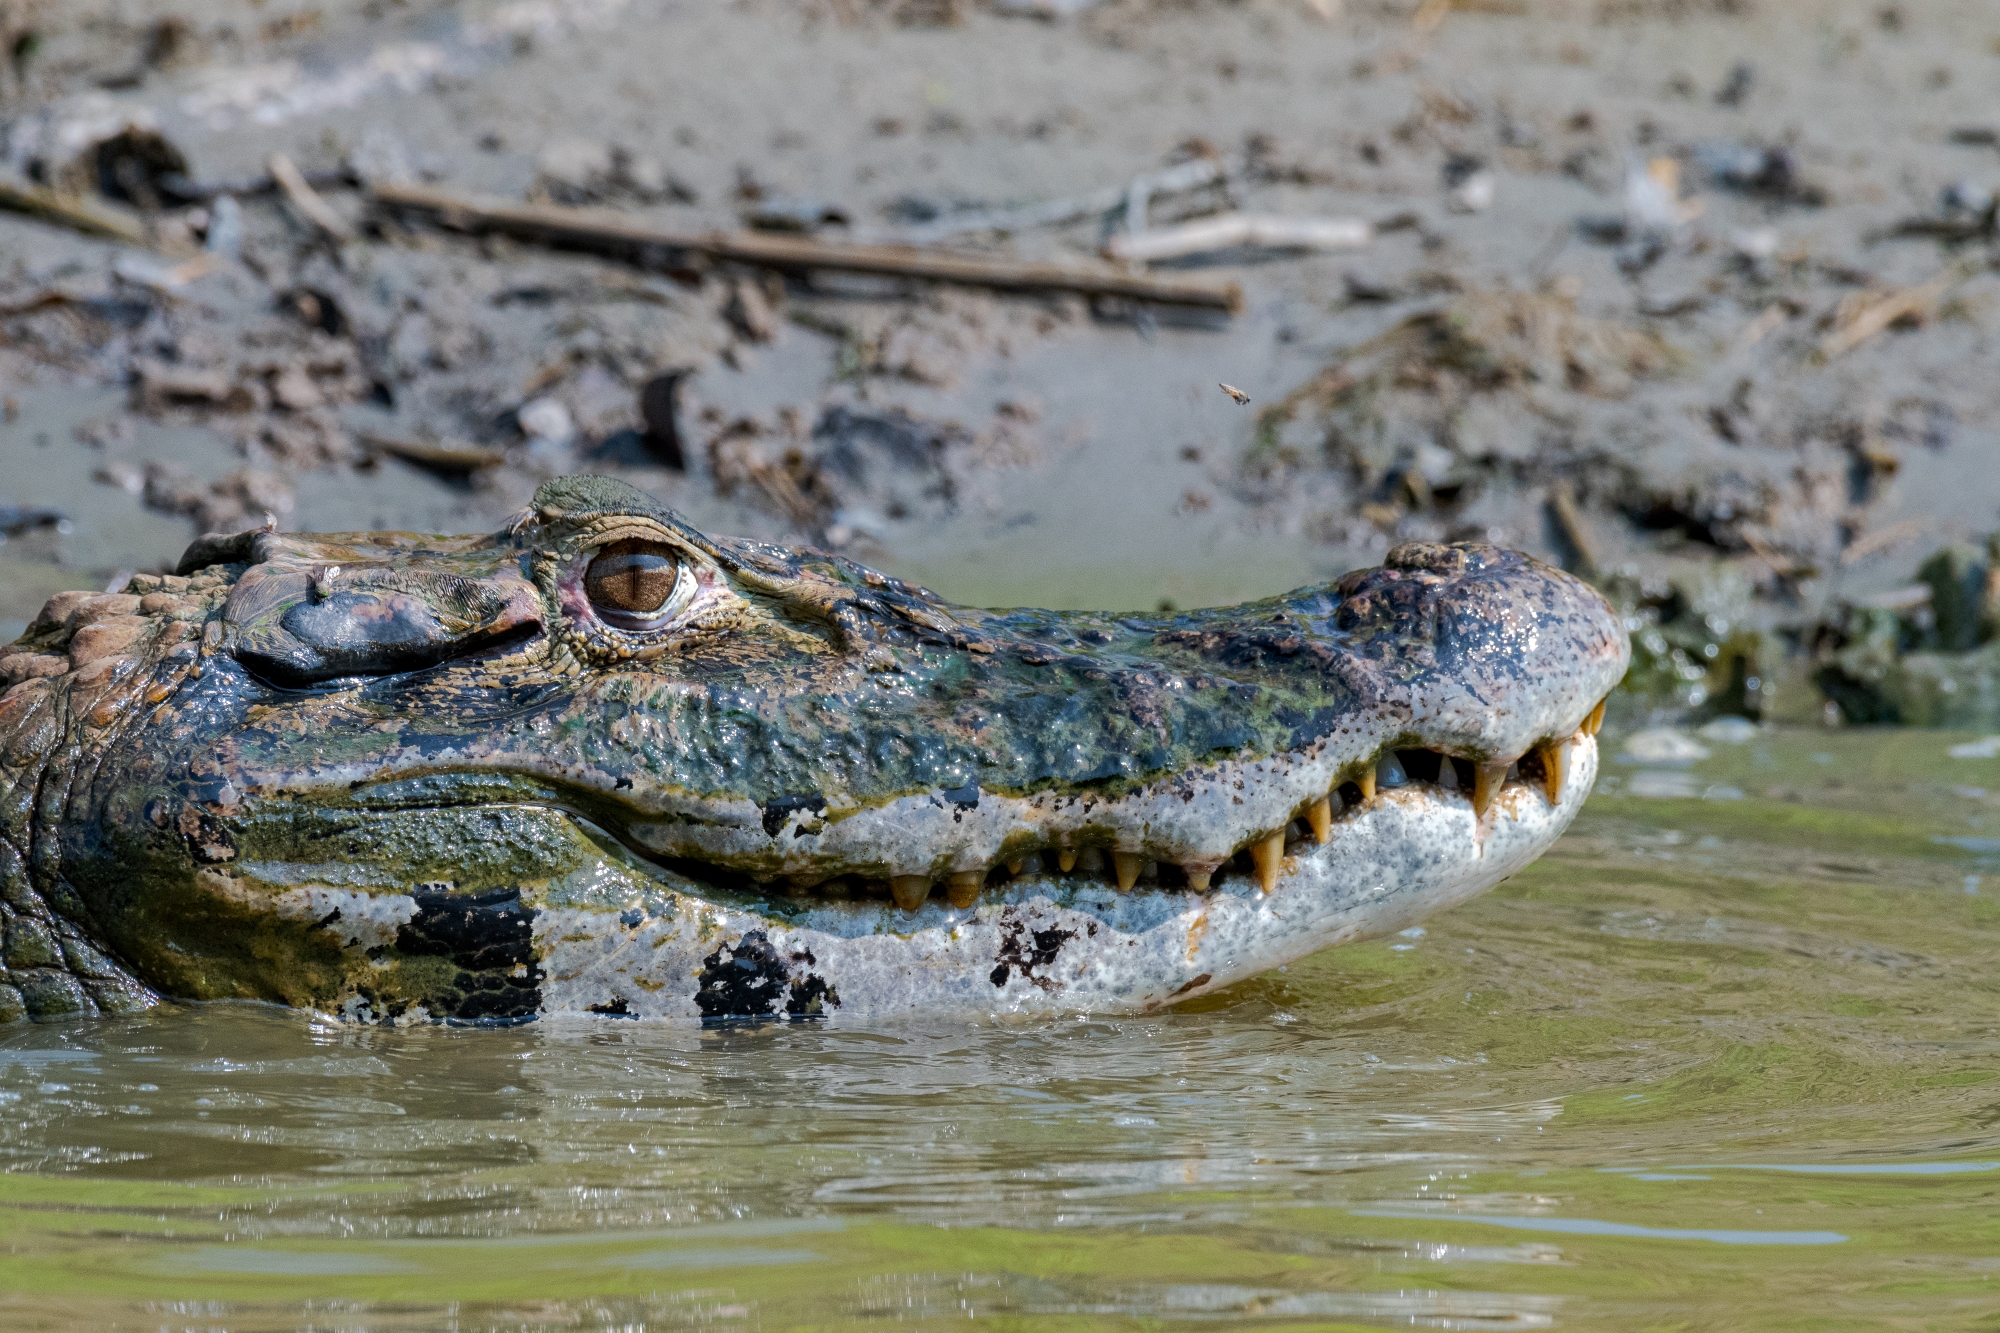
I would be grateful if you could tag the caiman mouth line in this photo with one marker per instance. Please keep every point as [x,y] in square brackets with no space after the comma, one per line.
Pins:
[1094,853]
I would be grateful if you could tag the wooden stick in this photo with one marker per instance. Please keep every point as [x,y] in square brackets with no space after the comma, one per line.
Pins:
[68,210]
[1227,230]
[307,201]
[453,459]
[1878,316]
[1054,212]
[607,232]
[1562,506]
[1866,546]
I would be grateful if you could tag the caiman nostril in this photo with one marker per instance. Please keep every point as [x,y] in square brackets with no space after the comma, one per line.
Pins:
[297,624]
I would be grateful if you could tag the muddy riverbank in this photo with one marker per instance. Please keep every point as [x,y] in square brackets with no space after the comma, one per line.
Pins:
[1692,297]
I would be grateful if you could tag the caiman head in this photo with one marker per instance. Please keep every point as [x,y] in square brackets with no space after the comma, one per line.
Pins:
[603,763]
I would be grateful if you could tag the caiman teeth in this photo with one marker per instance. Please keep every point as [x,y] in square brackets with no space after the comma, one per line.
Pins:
[1487,779]
[1555,767]
[1545,765]
[1269,855]
[1320,816]
[961,888]
[1126,866]
[909,891]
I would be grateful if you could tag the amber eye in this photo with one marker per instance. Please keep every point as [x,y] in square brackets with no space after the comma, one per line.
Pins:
[630,581]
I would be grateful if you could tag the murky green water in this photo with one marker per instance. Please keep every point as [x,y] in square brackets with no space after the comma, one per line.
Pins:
[1728,1058]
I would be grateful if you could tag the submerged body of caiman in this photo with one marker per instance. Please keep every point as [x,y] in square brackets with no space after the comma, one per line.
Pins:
[602,763]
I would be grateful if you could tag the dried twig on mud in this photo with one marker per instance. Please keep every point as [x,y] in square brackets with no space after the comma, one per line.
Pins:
[1199,173]
[454,460]
[1879,314]
[1562,507]
[1883,538]
[68,210]
[609,233]
[302,197]
[1227,230]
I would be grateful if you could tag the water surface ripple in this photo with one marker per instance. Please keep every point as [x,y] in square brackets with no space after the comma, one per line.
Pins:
[1722,1061]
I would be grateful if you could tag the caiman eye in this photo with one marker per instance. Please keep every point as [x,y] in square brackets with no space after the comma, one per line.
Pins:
[631,582]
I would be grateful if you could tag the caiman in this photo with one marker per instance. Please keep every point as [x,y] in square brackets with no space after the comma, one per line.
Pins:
[601,763]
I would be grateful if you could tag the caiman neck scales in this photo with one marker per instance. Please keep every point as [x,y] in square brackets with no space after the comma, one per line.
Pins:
[601,762]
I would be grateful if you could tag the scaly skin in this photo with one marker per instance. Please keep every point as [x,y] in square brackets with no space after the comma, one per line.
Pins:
[402,777]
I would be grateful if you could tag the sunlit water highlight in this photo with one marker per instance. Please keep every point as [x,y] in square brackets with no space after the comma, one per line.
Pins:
[1727,1058]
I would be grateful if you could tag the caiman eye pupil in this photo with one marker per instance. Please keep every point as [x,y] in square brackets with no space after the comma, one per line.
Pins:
[634,577]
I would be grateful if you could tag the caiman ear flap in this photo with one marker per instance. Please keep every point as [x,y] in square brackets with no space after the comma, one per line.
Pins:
[217,548]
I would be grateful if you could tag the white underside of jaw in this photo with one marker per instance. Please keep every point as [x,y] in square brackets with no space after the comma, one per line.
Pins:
[1045,944]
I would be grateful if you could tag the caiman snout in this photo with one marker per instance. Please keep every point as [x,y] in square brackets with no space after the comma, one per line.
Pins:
[320,609]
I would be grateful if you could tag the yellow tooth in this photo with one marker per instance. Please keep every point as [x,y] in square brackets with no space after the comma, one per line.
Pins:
[909,891]
[1066,858]
[1014,866]
[962,888]
[1269,856]
[1555,768]
[1320,816]
[1487,780]
[1127,865]
[1596,718]
[1197,879]
[1367,783]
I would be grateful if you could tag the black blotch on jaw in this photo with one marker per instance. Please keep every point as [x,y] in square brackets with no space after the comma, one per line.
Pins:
[489,937]
[781,808]
[1025,948]
[750,979]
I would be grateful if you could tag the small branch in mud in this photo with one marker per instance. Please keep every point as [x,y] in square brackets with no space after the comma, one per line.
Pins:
[1915,303]
[1563,508]
[607,233]
[451,460]
[1226,231]
[306,201]
[69,210]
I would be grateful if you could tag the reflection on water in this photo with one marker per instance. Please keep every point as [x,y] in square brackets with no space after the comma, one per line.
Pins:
[1719,1061]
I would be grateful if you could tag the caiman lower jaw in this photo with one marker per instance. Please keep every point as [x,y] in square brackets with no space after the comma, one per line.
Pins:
[1045,942]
